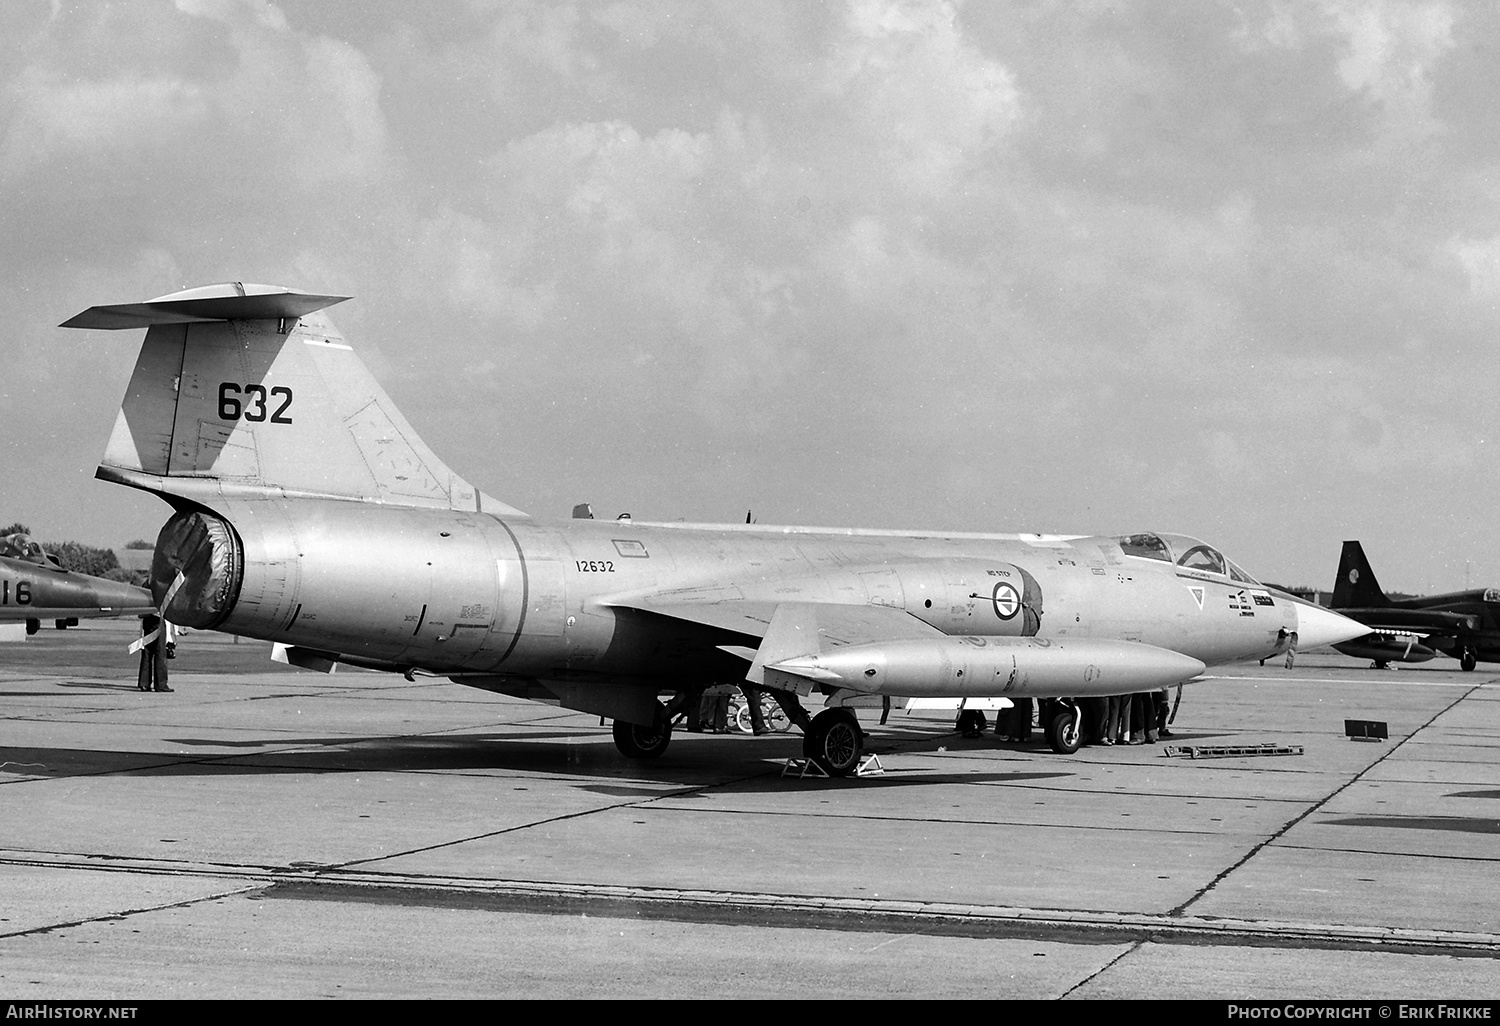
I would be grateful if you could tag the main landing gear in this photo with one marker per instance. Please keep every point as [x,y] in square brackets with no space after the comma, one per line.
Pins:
[637,742]
[1468,660]
[834,741]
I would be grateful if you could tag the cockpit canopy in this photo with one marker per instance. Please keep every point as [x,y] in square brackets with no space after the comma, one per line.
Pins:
[20,546]
[1186,552]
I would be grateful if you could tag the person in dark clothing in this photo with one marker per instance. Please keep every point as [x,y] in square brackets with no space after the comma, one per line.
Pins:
[153,671]
[1094,709]
[1143,718]
[1164,711]
[1014,724]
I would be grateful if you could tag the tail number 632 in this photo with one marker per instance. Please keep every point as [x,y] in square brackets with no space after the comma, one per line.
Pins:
[256,405]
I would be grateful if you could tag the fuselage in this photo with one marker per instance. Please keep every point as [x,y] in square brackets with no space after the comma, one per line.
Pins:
[42,591]
[1453,623]
[463,592]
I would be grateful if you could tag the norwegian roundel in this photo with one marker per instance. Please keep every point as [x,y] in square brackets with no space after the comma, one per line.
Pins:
[1007,600]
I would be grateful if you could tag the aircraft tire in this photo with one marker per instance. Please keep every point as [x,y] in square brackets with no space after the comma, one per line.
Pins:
[1467,661]
[637,742]
[1062,735]
[835,742]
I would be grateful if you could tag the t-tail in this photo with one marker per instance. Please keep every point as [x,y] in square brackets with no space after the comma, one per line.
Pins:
[249,391]
[1356,587]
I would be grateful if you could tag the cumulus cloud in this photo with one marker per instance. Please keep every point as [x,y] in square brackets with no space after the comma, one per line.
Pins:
[55,114]
[249,93]
[1480,259]
[931,103]
[987,266]
[1388,50]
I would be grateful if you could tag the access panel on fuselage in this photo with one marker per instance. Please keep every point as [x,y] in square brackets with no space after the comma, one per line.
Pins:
[394,584]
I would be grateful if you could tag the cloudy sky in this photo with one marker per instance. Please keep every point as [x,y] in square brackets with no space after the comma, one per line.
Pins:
[1228,269]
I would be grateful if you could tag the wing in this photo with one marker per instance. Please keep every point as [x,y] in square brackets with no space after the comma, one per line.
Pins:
[786,630]
[881,650]
[808,629]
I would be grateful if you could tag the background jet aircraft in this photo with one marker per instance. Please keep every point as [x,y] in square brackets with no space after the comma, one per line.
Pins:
[307,512]
[34,587]
[1461,624]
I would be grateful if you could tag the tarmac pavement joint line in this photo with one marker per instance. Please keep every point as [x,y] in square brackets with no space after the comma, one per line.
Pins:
[1272,838]
[1157,926]
[125,913]
[321,884]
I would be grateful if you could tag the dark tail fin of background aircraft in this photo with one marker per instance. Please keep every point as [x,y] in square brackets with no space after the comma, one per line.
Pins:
[1356,587]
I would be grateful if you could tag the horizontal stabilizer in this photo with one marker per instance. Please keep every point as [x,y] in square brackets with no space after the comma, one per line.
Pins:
[230,302]
[307,658]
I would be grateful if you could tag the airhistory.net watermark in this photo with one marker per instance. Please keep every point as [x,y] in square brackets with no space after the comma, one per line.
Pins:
[49,1010]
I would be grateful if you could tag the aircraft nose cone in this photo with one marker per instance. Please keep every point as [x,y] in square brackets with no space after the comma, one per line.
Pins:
[1319,626]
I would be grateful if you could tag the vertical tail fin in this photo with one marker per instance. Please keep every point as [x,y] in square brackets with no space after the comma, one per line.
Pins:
[1355,586]
[251,390]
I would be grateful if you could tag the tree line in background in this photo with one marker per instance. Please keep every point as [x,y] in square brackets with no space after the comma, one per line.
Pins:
[87,559]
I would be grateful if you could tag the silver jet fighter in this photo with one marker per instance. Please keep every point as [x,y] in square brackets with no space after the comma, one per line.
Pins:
[34,587]
[307,512]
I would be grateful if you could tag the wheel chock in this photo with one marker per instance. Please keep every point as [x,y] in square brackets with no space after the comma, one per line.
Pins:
[802,768]
[869,766]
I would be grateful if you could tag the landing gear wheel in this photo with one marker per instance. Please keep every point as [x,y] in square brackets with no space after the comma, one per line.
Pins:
[637,742]
[834,742]
[1467,661]
[1063,733]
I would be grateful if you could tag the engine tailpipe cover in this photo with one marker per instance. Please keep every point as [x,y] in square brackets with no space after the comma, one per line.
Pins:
[207,552]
